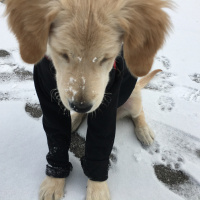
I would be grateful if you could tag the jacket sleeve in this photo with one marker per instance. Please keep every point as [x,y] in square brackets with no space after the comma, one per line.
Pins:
[101,132]
[56,121]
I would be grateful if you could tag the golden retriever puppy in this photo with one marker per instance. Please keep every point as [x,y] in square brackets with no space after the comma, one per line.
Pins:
[82,39]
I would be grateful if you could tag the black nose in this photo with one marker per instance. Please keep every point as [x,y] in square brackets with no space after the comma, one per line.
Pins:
[80,107]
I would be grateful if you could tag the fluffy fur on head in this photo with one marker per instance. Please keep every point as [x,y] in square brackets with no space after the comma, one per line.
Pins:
[142,24]
[84,38]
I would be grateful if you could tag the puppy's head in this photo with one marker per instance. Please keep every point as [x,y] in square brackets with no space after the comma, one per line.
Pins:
[84,37]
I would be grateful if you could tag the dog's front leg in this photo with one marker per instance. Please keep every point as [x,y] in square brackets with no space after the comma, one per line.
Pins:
[52,188]
[97,190]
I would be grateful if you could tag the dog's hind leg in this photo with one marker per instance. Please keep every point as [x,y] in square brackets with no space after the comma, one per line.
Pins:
[133,109]
[77,119]
[142,130]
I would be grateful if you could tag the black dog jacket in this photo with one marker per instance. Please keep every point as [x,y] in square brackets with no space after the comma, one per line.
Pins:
[101,127]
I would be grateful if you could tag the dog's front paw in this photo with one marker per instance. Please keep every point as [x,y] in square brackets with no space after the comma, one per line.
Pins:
[145,135]
[52,188]
[97,190]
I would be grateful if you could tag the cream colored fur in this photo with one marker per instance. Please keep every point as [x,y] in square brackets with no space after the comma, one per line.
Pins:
[84,37]
[52,188]
[97,190]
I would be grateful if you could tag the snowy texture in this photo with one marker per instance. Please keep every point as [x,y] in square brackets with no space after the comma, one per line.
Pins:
[79,58]
[171,104]
[72,80]
[94,60]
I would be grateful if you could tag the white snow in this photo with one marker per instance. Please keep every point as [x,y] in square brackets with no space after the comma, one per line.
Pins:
[83,79]
[74,92]
[171,104]
[94,59]
[79,58]
[72,80]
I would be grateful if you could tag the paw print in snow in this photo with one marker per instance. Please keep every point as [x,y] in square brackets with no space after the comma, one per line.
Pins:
[4,53]
[6,58]
[154,148]
[165,61]
[192,94]
[172,159]
[33,110]
[166,103]
[162,86]
[195,77]
[113,156]
[165,75]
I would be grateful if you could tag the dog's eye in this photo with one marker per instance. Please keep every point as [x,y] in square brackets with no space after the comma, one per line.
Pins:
[66,57]
[103,61]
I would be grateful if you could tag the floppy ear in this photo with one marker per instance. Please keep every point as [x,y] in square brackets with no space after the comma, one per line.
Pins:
[30,21]
[145,26]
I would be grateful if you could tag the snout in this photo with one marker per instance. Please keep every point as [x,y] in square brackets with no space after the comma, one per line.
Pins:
[80,107]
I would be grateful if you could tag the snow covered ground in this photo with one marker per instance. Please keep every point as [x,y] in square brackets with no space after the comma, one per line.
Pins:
[172,106]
